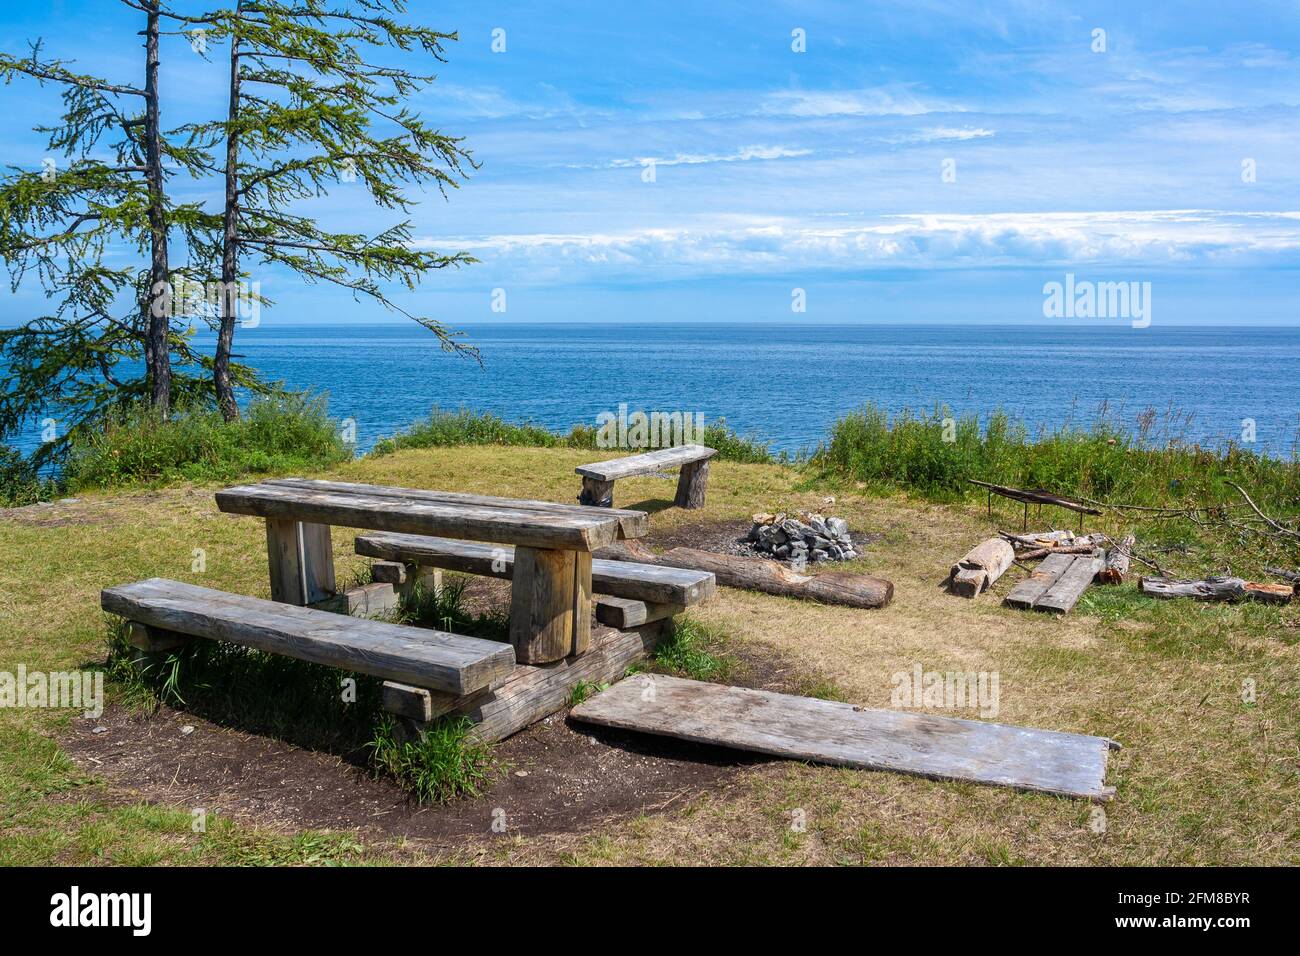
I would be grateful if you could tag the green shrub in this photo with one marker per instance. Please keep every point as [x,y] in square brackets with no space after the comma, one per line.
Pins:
[466,427]
[290,433]
[19,483]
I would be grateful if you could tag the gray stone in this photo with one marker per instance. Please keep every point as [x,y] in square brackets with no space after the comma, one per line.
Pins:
[838,527]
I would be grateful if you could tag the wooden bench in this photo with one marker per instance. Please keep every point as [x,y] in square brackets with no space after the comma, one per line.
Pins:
[631,594]
[452,663]
[598,478]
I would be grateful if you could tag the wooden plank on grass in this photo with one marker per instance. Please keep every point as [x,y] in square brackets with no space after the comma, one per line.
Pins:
[822,731]
[1069,587]
[632,524]
[1029,590]
[427,658]
[535,529]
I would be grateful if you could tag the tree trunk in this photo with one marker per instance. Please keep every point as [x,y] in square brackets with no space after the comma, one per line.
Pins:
[157,320]
[229,251]
[760,574]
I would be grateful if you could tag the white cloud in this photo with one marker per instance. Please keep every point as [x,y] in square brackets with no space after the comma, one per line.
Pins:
[762,245]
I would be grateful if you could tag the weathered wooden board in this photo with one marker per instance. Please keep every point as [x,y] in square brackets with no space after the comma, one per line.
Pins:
[646,463]
[437,659]
[981,567]
[1069,587]
[574,532]
[642,582]
[1030,589]
[627,612]
[632,524]
[822,731]
[529,693]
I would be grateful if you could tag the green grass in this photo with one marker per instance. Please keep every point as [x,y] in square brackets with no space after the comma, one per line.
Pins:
[443,609]
[466,427]
[694,649]
[274,435]
[443,763]
[1122,471]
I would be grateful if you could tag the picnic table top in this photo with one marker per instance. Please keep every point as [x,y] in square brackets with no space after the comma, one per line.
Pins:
[537,524]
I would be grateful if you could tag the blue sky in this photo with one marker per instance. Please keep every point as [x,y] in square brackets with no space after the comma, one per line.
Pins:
[820,170]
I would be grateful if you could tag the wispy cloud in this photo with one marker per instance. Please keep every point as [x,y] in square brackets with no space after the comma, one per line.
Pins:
[743,155]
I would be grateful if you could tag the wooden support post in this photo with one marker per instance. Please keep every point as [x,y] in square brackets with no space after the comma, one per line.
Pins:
[597,493]
[149,645]
[582,609]
[692,484]
[542,602]
[301,559]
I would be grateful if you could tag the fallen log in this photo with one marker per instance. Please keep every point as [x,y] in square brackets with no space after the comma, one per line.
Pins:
[982,565]
[760,574]
[1291,577]
[1038,539]
[1217,588]
[1117,561]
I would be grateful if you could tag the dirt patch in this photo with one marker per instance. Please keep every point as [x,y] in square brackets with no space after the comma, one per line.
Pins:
[553,777]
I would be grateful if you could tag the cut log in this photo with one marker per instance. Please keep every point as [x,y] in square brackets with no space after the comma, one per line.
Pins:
[1217,588]
[528,694]
[982,565]
[759,574]
[692,484]
[1117,561]
[843,735]
[1038,539]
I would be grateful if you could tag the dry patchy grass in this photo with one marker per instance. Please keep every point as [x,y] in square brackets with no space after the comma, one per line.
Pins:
[1204,778]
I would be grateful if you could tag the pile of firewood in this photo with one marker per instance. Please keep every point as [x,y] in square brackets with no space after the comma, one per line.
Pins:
[1058,583]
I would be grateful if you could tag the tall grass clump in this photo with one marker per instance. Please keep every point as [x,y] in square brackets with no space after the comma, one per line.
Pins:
[441,764]
[467,427]
[19,482]
[935,455]
[286,433]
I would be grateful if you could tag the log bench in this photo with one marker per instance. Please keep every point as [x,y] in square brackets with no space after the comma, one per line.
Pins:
[628,594]
[598,478]
[164,613]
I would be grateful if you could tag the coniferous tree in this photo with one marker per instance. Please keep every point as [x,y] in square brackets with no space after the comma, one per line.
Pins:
[56,226]
[311,110]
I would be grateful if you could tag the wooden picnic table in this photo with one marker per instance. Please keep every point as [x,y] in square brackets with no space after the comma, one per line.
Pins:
[551,598]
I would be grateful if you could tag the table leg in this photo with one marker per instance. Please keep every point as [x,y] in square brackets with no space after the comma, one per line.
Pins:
[547,602]
[301,560]
[582,609]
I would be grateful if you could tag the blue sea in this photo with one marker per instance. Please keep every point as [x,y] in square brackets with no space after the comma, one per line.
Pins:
[787,384]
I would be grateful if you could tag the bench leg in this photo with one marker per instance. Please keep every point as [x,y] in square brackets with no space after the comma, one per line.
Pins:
[692,483]
[597,493]
[542,602]
[301,559]
[149,645]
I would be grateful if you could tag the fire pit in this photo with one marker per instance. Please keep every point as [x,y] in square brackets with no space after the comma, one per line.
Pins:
[810,537]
